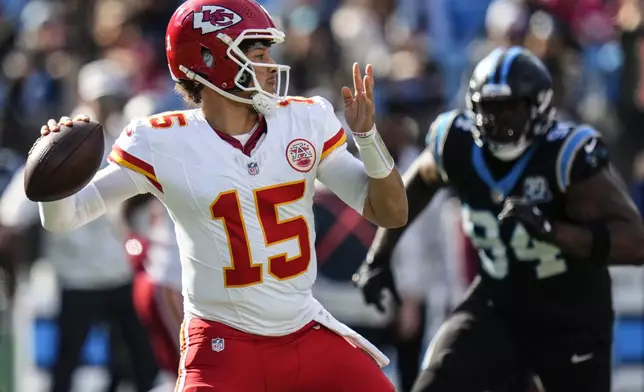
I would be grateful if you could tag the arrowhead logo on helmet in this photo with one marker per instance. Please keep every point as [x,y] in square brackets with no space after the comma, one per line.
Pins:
[214,18]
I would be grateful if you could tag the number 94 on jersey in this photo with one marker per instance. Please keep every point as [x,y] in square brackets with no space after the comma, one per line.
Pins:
[485,232]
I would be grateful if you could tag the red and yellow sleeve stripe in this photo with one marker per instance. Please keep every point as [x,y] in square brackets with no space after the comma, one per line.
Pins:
[122,158]
[336,141]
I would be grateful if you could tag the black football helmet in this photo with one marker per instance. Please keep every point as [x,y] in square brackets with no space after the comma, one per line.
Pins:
[510,96]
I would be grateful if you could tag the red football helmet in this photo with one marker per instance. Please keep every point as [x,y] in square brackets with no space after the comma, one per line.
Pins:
[203,44]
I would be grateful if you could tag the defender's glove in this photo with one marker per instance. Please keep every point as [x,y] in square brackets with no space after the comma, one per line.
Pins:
[372,278]
[532,218]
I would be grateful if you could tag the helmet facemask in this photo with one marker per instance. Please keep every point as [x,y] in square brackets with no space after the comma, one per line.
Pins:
[510,95]
[508,125]
[246,79]
[504,126]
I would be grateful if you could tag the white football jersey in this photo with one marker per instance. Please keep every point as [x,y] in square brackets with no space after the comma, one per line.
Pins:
[243,215]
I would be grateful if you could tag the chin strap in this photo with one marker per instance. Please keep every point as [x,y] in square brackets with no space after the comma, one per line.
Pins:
[264,105]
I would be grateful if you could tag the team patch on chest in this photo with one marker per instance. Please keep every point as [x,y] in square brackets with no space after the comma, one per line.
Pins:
[301,155]
[536,189]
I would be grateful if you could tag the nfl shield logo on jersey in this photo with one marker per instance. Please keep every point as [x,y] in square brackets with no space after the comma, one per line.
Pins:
[217,345]
[253,168]
[536,190]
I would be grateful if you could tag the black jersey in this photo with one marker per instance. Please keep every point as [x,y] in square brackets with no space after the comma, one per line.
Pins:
[530,278]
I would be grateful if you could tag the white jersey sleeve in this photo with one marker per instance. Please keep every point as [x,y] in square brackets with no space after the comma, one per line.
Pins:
[339,170]
[132,151]
[109,188]
[335,138]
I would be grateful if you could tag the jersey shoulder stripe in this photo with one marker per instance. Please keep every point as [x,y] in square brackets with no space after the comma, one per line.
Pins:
[438,135]
[573,143]
[334,142]
[129,161]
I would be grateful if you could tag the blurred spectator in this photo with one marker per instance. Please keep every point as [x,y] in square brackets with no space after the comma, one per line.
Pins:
[631,100]
[103,90]
[90,263]
[10,244]
[454,24]
[96,285]
[34,73]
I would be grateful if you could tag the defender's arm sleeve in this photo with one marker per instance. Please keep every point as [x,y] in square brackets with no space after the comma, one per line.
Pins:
[339,170]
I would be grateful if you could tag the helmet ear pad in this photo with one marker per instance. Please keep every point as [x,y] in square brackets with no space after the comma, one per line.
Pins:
[208,58]
[209,62]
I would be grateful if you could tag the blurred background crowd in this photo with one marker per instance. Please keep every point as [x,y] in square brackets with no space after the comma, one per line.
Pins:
[106,58]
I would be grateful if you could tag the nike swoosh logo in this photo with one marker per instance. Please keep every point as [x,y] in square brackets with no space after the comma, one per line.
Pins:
[590,146]
[581,358]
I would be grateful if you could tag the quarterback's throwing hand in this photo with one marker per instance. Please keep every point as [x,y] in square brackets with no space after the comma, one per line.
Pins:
[53,126]
[359,110]
[528,214]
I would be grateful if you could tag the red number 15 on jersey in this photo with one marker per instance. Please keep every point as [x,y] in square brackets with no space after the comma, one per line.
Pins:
[243,272]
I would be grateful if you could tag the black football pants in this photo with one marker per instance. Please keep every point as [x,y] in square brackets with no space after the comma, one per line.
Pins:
[476,350]
[80,309]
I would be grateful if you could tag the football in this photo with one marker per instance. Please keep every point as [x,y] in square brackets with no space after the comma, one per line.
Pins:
[62,163]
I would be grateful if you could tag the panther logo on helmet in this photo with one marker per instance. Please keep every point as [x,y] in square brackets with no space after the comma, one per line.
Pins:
[213,18]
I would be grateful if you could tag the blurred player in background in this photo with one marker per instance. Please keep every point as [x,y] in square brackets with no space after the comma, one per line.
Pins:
[152,247]
[95,283]
[237,176]
[547,215]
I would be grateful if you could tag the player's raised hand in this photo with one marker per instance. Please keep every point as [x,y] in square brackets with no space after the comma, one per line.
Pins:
[359,110]
[53,126]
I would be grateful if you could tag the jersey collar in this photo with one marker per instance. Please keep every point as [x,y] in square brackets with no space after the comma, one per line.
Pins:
[251,143]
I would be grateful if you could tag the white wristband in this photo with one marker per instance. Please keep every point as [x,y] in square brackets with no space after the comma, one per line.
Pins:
[377,161]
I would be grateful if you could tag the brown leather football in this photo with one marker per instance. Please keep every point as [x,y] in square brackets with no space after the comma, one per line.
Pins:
[62,163]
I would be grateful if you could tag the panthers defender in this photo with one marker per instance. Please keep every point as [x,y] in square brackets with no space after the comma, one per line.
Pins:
[547,215]
[237,176]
